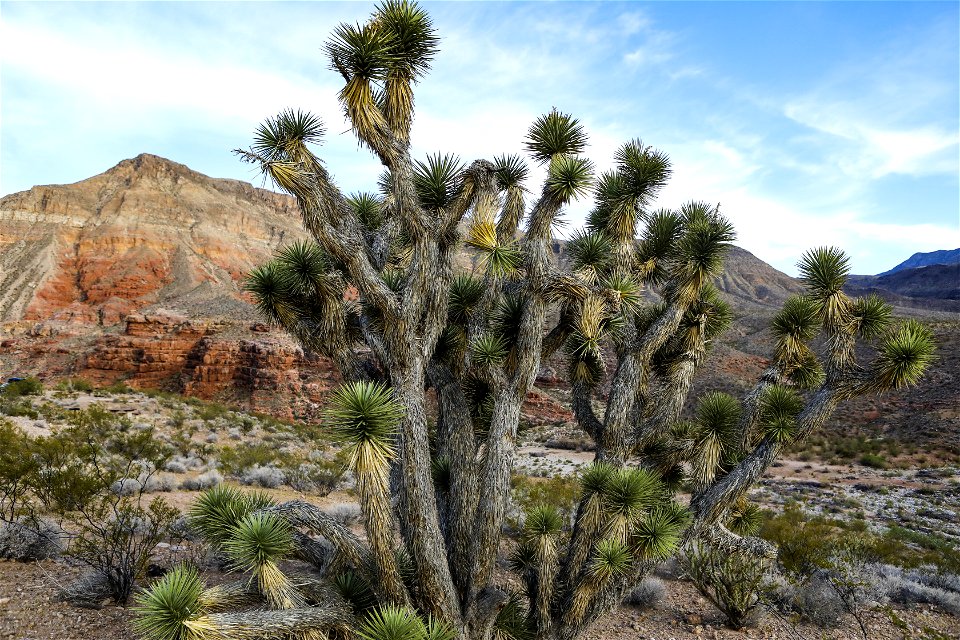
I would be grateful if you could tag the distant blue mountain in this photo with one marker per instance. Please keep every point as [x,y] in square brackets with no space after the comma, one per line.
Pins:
[944,256]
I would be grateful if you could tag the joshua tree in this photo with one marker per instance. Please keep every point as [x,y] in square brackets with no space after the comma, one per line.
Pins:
[437,362]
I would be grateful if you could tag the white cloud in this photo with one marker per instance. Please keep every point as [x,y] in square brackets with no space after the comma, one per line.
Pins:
[873,151]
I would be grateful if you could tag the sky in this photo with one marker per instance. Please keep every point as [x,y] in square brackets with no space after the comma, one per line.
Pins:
[811,123]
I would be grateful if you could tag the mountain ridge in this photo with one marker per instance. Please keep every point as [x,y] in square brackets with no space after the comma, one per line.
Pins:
[921,259]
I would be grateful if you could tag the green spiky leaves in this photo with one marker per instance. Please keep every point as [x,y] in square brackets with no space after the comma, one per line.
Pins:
[701,249]
[391,622]
[555,134]
[590,254]
[436,181]
[488,350]
[872,316]
[658,245]
[512,622]
[218,512]
[611,559]
[718,416]
[627,495]
[162,610]
[500,258]
[412,40]
[300,284]
[658,534]
[824,271]
[745,519]
[542,520]
[569,178]
[368,209]
[257,539]
[779,408]
[365,416]
[511,171]
[903,356]
[284,137]
[644,170]
[466,291]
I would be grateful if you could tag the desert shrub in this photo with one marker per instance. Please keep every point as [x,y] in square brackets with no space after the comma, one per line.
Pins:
[268,476]
[559,492]
[321,477]
[873,460]
[812,597]
[17,466]
[127,487]
[648,594]
[89,478]
[211,411]
[236,460]
[346,513]
[733,582]
[160,483]
[202,482]
[17,407]
[175,466]
[117,388]
[806,542]
[75,384]
[857,586]
[30,386]
[89,591]
[30,540]
[916,586]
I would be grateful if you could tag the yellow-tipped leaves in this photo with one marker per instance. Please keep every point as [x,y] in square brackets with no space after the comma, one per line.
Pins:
[779,408]
[590,254]
[611,559]
[411,38]
[745,519]
[872,315]
[392,622]
[569,177]
[824,271]
[284,138]
[500,258]
[717,417]
[436,181]
[258,543]
[903,357]
[359,52]
[555,134]
[627,495]
[542,520]
[161,611]
[218,511]
[365,416]
[658,534]
[645,170]
[701,249]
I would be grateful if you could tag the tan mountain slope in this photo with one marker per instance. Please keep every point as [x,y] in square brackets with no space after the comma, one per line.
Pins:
[146,231]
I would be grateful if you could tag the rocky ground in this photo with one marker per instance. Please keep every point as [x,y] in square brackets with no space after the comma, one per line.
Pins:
[210,437]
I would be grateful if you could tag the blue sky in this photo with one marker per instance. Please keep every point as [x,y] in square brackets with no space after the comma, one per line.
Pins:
[810,123]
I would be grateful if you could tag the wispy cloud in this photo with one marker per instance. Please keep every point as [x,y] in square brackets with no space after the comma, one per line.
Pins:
[794,164]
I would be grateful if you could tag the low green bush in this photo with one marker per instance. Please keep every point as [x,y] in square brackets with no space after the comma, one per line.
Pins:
[29,386]
[75,384]
[733,582]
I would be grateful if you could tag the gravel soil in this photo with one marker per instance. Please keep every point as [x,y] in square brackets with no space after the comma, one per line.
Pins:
[29,611]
